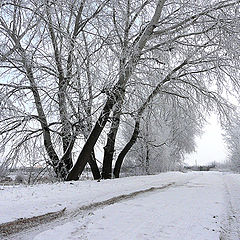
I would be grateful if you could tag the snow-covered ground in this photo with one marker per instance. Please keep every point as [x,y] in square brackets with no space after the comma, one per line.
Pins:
[199,205]
[23,201]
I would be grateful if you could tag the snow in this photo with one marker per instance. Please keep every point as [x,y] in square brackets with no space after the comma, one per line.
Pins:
[27,201]
[231,224]
[199,206]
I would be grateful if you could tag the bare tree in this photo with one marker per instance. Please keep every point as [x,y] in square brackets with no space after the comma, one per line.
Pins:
[116,93]
[72,68]
[42,49]
[178,83]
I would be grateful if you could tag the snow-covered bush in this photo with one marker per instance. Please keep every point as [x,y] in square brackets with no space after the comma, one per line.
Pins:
[20,179]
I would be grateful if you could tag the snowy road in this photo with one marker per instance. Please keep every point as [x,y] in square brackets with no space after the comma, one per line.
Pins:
[198,206]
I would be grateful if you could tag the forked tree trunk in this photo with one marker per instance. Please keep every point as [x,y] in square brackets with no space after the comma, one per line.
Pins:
[113,98]
[85,155]
[92,161]
[115,95]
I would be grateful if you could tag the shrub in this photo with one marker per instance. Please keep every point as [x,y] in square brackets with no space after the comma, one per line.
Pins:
[19,179]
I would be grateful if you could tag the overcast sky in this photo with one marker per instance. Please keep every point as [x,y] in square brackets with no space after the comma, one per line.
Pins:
[210,146]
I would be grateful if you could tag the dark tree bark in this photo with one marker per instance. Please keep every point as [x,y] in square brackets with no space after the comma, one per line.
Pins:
[85,154]
[57,165]
[109,148]
[92,161]
[94,167]
[126,149]
[113,98]
[147,160]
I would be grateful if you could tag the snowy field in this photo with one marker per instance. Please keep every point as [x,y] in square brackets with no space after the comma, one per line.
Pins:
[188,206]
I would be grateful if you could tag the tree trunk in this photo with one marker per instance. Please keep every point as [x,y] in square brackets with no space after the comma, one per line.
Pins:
[94,167]
[141,110]
[66,130]
[57,165]
[109,148]
[126,149]
[85,154]
[67,137]
[68,163]
[147,164]
[114,96]
[62,88]
[112,99]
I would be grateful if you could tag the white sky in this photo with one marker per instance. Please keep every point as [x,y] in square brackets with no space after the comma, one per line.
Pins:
[210,146]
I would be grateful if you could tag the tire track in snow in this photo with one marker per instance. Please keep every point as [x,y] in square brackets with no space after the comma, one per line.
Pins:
[25,223]
[13,230]
[230,225]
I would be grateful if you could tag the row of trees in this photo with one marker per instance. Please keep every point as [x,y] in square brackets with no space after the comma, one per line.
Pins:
[129,74]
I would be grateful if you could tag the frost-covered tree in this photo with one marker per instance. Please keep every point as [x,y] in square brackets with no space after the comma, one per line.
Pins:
[232,137]
[45,70]
[74,67]
[182,44]
[166,132]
